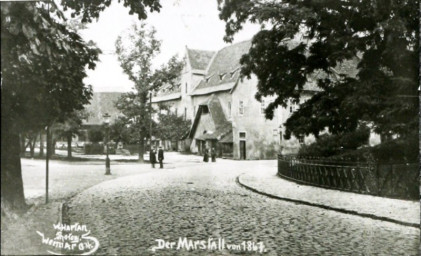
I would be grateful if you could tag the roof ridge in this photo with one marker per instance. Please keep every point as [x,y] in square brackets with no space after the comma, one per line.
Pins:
[191,49]
[199,59]
[225,47]
[233,44]
[210,62]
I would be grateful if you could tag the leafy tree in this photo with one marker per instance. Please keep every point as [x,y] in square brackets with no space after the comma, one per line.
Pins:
[170,126]
[70,127]
[299,39]
[89,10]
[43,65]
[96,135]
[330,145]
[135,58]
[120,131]
[42,68]
[28,139]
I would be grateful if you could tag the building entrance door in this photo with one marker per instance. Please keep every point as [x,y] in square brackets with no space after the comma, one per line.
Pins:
[242,149]
[199,146]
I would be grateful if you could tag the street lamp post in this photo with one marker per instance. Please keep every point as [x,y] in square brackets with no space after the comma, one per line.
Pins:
[150,120]
[107,129]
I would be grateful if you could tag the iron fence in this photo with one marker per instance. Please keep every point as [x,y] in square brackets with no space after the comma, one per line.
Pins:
[379,179]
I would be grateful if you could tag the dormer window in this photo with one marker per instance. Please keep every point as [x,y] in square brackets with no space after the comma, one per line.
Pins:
[221,76]
[233,72]
[208,78]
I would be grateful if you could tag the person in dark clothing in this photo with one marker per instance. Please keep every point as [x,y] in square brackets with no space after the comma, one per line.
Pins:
[206,155]
[161,157]
[213,155]
[152,157]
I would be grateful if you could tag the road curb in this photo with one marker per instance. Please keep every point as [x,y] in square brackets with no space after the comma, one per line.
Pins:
[341,210]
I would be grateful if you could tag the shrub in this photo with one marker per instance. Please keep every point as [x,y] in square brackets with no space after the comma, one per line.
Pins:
[96,135]
[94,149]
[331,145]
[400,150]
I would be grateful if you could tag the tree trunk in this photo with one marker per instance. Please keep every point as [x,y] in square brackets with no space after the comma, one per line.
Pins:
[41,145]
[12,196]
[32,142]
[143,130]
[32,150]
[69,146]
[22,144]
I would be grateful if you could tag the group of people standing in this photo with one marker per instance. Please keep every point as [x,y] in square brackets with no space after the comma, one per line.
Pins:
[206,155]
[152,157]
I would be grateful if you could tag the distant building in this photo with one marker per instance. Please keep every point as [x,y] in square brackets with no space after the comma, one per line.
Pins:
[101,103]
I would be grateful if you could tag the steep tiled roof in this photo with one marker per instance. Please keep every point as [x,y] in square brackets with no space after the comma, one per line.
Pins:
[216,135]
[224,70]
[225,66]
[101,103]
[222,125]
[227,138]
[217,113]
[347,67]
[166,97]
[168,91]
[199,59]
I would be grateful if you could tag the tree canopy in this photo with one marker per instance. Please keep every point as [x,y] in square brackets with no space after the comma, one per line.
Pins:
[136,51]
[89,10]
[43,63]
[301,38]
[170,126]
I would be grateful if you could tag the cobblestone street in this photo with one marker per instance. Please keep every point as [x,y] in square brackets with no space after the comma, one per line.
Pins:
[201,201]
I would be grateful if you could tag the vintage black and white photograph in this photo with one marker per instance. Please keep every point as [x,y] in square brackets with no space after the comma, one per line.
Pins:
[210,127]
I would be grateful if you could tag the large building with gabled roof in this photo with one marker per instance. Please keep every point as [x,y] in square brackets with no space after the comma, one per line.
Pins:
[224,112]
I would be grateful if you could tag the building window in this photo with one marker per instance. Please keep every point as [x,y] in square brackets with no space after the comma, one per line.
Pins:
[229,108]
[241,108]
[242,135]
[233,72]
[262,107]
[185,113]
[275,132]
[281,137]
[301,139]
[292,106]
[208,78]
[186,88]
[176,110]
[205,109]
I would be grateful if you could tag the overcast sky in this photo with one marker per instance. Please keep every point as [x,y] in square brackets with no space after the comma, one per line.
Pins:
[181,23]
